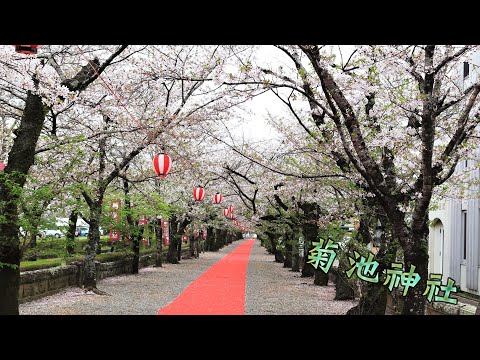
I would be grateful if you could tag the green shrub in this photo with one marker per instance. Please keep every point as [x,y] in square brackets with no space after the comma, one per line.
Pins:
[74,258]
[109,257]
[40,264]
[146,251]
[81,242]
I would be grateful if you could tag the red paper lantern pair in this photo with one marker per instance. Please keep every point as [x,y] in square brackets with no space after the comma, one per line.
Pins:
[199,195]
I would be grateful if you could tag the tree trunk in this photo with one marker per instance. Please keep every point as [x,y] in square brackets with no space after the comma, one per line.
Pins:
[374,297]
[20,159]
[158,237]
[288,254]
[221,239]
[310,234]
[278,254]
[295,256]
[416,253]
[343,290]
[179,248]
[172,250]
[10,269]
[218,236]
[172,246]
[196,245]
[93,241]
[191,246]
[136,248]
[321,278]
[372,302]
[296,262]
[32,244]
[72,226]
[210,240]
[307,269]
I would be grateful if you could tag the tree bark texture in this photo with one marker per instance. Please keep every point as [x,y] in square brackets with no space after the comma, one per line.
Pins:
[20,159]
[158,238]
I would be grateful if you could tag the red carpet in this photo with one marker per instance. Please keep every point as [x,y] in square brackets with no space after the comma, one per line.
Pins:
[218,291]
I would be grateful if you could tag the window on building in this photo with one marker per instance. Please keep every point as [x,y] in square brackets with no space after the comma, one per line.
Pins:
[466,69]
[464,233]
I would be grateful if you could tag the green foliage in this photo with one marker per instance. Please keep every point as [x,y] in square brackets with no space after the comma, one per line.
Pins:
[40,264]
[12,266]
[246,67]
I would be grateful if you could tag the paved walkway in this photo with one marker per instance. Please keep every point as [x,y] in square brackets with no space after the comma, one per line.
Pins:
[268,288]
[218,291]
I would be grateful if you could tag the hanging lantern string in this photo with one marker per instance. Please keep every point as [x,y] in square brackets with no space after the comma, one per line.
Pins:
[115,95]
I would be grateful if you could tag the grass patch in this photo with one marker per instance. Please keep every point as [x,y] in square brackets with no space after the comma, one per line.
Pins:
[40,264]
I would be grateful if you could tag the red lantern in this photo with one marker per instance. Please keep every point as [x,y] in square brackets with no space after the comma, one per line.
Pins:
[230,209]
[204,235]
[225,212]
[232,216]
[199,193]
[27,49]
[235,222]
[2,165]
[185,239]
[162,164]
[217,198]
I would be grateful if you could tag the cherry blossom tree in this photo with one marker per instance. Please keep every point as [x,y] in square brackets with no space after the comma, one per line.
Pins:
[30,87]
[401,118]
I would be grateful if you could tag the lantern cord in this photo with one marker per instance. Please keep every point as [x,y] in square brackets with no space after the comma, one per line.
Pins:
[114,94]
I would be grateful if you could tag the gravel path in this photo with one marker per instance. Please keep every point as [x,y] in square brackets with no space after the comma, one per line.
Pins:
[271,289]
[142,294]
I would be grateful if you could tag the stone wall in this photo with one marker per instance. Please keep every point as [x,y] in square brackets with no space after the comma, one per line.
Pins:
[395,305]
[38,283]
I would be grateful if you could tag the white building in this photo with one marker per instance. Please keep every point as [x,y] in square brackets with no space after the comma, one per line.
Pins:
[454,242]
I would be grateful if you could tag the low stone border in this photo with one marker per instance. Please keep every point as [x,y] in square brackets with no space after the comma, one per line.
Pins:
[395,305]
[39,283]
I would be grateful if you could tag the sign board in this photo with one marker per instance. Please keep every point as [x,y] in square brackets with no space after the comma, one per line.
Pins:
[301,244]
[165,232]
[114,235]
[115,206]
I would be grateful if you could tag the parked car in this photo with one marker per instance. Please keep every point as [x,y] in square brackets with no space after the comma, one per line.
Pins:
[81,231]
[51,232]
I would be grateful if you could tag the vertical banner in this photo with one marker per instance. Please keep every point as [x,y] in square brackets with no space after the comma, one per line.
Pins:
[115,206]
[143,221]
[166,234]
[114,235]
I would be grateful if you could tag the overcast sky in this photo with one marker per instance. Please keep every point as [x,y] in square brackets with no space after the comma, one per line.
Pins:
[254,125]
